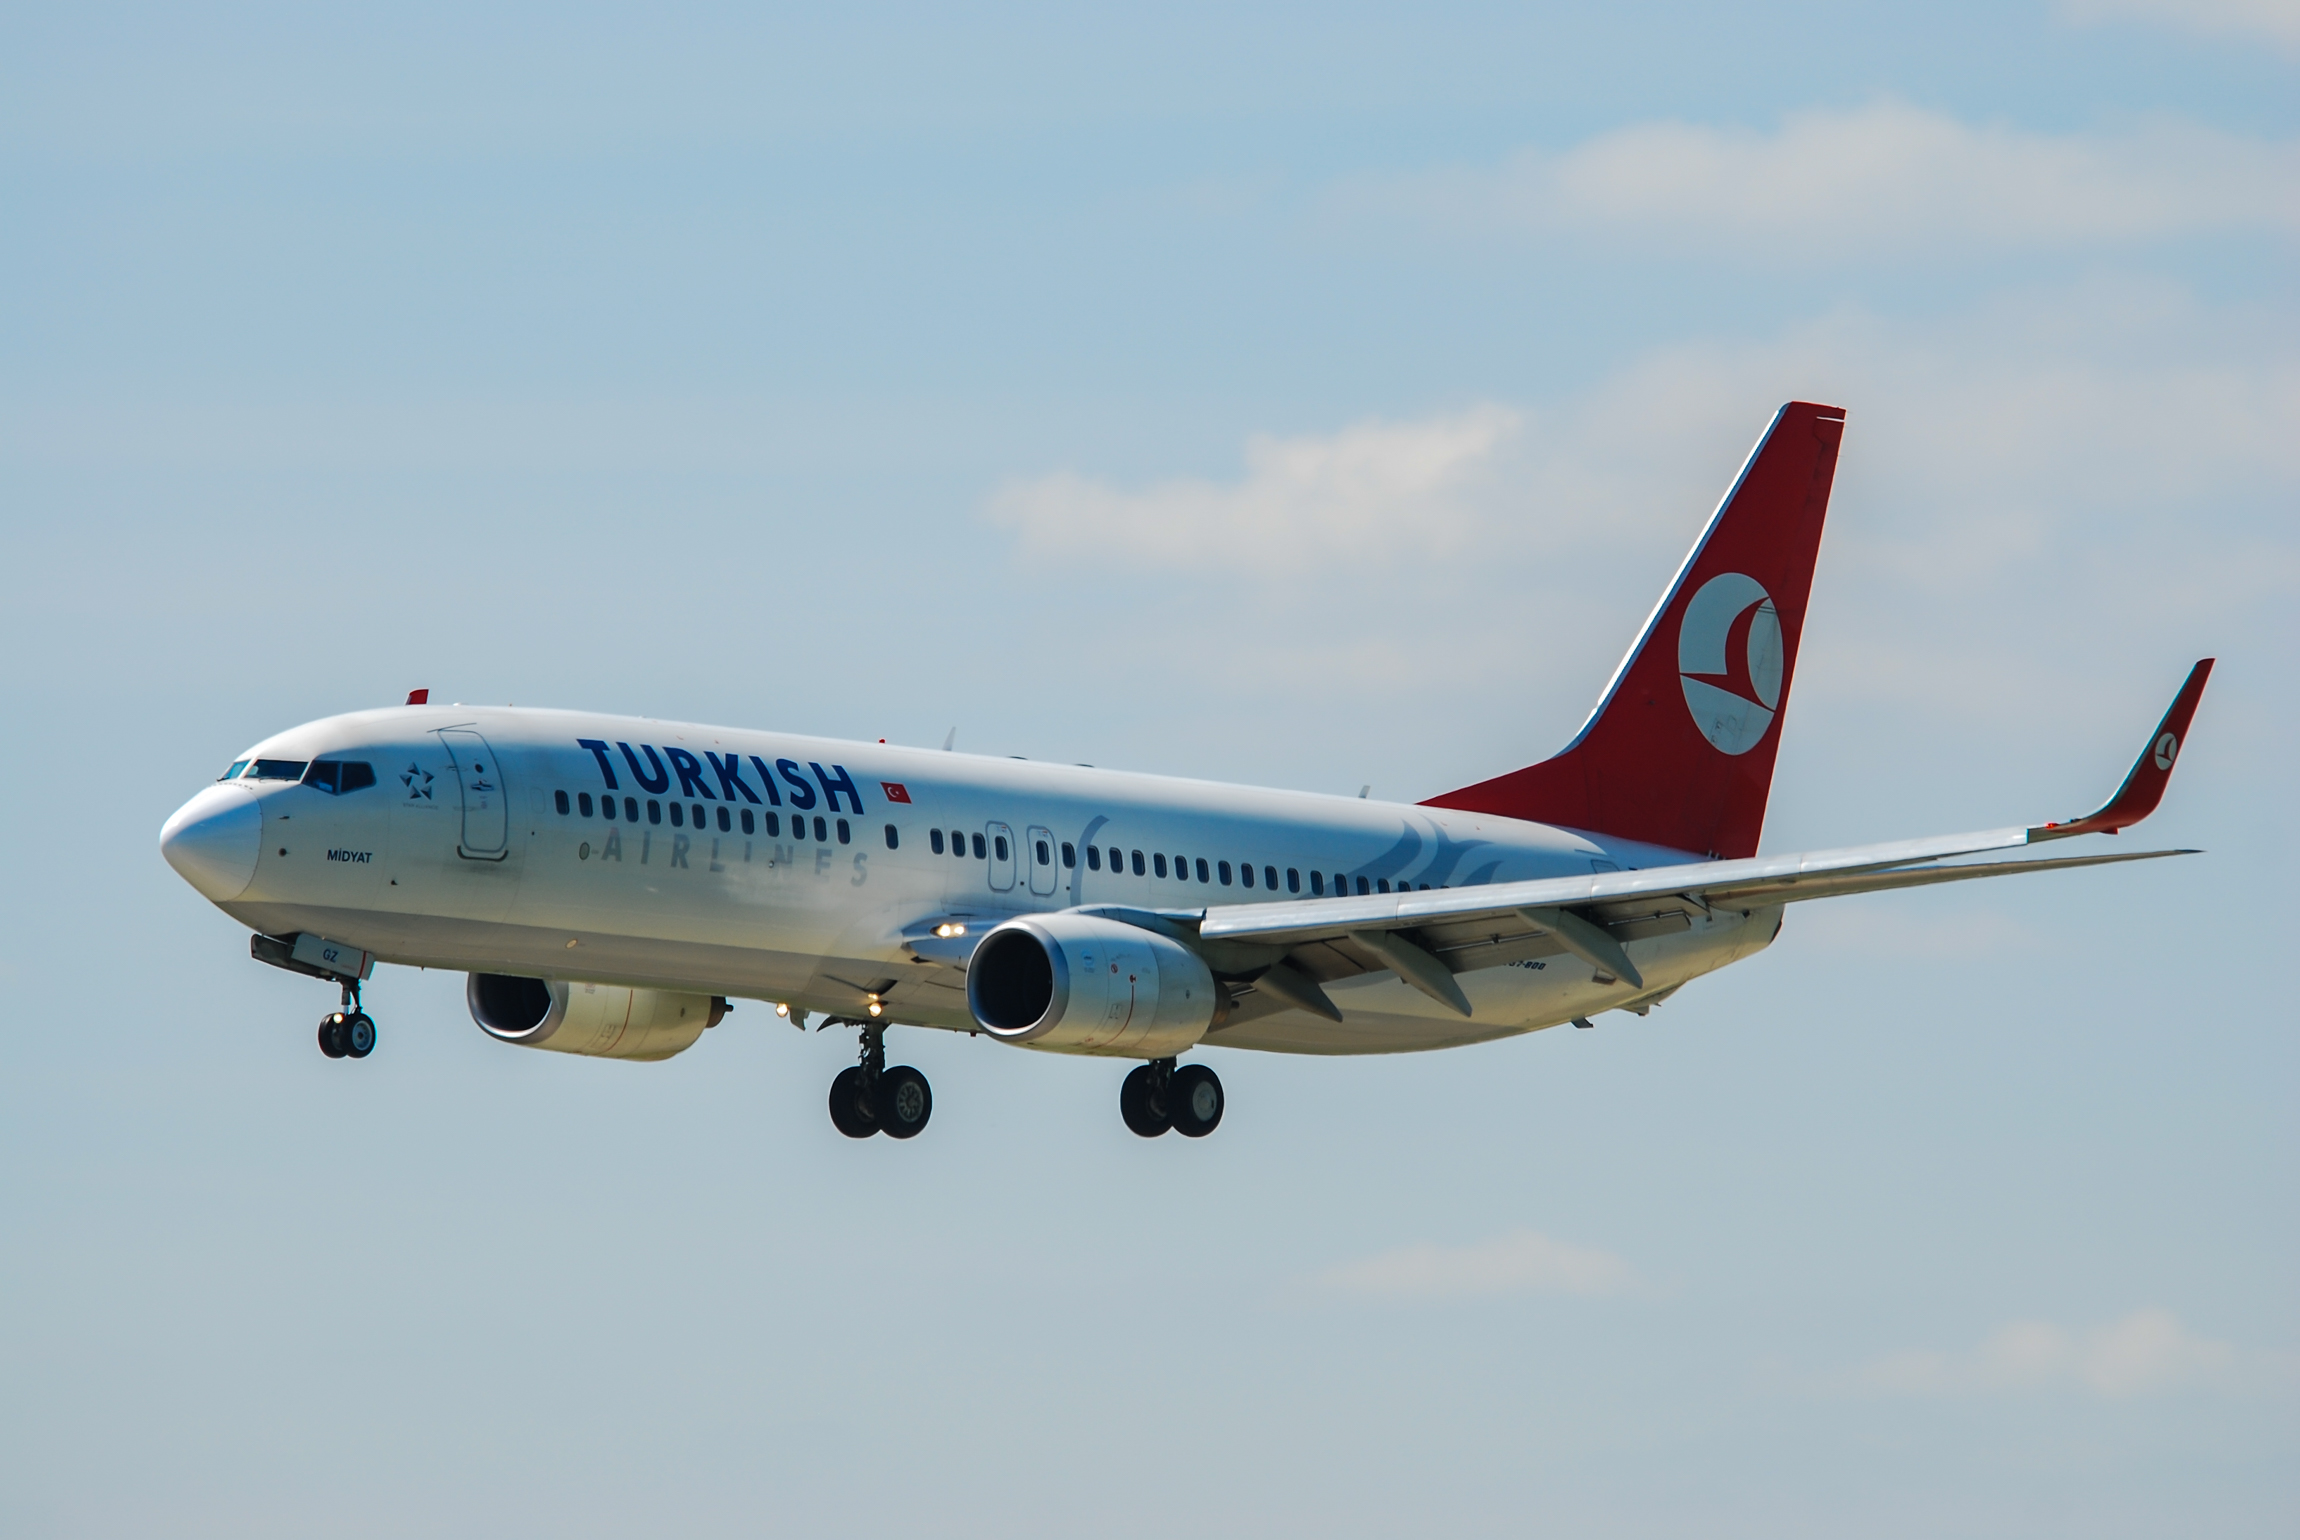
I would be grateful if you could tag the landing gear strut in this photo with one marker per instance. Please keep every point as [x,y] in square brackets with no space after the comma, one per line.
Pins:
[871,1098]
[1158,1095]
[348,1033]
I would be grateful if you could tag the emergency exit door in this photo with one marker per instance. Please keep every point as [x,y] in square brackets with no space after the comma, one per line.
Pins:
[1038,848]
[1001,857]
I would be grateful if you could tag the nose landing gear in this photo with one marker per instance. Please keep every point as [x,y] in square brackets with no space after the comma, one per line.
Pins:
[870,1098]
[1157,1096]
[348,1033]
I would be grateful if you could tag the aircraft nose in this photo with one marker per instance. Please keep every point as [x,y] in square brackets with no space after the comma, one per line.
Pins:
[213,840]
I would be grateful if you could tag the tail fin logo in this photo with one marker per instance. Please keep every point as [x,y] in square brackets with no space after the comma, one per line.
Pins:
[1729,659]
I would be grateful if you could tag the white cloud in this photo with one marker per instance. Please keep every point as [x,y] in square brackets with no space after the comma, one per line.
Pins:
[2147,1352]
[2033,475]
[1889,178]
[2276,20]
[1521,1262]
[1362,493]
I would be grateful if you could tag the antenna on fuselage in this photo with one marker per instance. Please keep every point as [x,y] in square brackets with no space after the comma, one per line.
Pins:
[1362,790]
[950,738]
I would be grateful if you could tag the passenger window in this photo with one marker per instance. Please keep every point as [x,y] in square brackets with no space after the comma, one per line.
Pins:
[607,808]
[695,812]
[774,823]
[1094,858]
[1270,878]
[1317,884]
[726,824]
[846,835]
[1045,854]
[1117,859]
[1201,868]
[1222,870]
[1069,854]
[583,803]
[1363,887]
[934,841]
[1158,863]
[1182,868]
[978,847]
[1246,873]
[1293,880]
[1001,844]
[822,831]
[750,824]
[654,811]
[630,809]
[560,797]
[893,840]
[1140,870]
[678,814]
[1381,884]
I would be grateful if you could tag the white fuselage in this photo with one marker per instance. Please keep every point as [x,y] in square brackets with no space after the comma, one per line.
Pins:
[483,846]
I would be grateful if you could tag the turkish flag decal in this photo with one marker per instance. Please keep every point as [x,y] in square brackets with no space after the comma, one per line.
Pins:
[895,791]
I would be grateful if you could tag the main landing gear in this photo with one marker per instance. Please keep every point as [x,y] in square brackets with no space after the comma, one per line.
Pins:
[871,1098]
[348,1033]
[1157,1096]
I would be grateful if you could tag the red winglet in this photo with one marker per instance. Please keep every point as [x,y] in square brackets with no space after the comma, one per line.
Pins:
[419,697]
[2151,773]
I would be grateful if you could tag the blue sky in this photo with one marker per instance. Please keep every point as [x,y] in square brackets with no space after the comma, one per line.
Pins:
[1312,397]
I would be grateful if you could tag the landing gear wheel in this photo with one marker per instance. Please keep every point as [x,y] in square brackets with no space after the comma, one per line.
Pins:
[1140,1102]
[331,1035]
[904,1102]
[1194,1098]
[851,1112]
[357,1035]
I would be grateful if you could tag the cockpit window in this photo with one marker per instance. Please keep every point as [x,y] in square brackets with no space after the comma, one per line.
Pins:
[237,766]
[336,776]
[276,770]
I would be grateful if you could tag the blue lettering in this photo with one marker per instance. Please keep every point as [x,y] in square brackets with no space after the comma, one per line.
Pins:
[731,776]
[832,788]
[690,774]
[802,795]
[661,780]
[767,779]
[599,752]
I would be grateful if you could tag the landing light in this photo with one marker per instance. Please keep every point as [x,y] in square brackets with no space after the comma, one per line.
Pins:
[949,928]
[782,1010]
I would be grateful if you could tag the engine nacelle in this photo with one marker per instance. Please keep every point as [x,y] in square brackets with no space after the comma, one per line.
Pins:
[605,1021]
[1075,983]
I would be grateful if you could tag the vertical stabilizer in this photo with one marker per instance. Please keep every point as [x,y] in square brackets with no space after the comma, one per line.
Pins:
[1679,751]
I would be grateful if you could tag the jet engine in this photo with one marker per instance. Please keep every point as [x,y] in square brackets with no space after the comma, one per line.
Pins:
[1075,983]
[605,1021]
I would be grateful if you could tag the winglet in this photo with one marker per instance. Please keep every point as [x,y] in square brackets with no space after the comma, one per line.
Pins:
[2151,773]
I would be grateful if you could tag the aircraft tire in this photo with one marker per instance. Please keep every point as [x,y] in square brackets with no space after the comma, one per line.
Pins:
[905,1102]
[1138,1102]
[1194,1098]
[331,1034]
[358,1035]
[849,1114]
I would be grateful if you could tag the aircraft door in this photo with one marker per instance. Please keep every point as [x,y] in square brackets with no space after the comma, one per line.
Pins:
[1038,850]
[1001,857]
[486,801]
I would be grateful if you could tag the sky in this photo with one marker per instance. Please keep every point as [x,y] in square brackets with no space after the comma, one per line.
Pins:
[1308,396]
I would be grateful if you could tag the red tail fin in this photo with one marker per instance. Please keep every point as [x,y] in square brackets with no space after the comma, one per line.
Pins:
[1680,749]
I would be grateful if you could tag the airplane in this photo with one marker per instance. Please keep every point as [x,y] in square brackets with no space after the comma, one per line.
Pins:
[611,884]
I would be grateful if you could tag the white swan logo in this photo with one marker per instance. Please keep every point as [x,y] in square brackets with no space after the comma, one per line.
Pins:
[1729,660]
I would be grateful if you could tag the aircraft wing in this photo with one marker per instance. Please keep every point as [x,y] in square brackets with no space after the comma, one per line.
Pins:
[1427,937]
